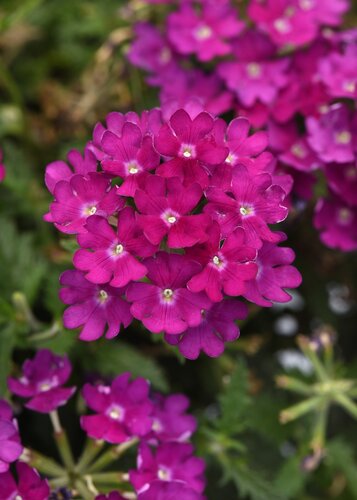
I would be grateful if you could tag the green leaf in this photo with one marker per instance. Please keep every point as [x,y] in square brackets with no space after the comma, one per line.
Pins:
[115,357]
[7,344]
[340,456]
[291,480]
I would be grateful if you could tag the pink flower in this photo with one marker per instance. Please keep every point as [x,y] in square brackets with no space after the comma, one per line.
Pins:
[165,206]
[217,327]
[112,255]
[204,34]
[129,156]
[170,462]
[225,263]
[80,198]
[339,73]
[93,307]
[325,12]
[165,304]
[2,167]
[113,495]
[61,171]
[255,74]
[275,273]
[190,145]
[293,148]
[337,223]
[332,135]
[10,445]
[28,486]
[170,420]
[255,203]
[42,380]
[164,490]
[122,409]
[342,179]
[284,21]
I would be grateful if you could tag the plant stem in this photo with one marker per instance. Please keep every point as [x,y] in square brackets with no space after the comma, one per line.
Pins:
[45,465]
[109,477]
[61,440]
[110,455]
[91,450]
[347,404]
[84,492]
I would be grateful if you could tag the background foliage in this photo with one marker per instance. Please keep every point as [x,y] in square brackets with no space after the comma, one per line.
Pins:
[62,68]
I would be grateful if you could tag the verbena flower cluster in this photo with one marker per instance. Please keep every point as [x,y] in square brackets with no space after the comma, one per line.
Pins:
[291,71]
[122,411]
[173,219]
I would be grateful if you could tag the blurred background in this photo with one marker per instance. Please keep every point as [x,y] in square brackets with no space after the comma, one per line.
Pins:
[62,69]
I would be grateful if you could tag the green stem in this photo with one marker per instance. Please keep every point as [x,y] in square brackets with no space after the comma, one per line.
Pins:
[319,433]
[47,334]
[298,410]
[109,477]
[293,384]
[45,465]
[61,440]
[91,450]
[84,492]
[347,404]
[110,455]
[59,482]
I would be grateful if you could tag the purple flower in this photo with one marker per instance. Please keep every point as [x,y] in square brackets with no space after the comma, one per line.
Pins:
[98,309]
[29,485]
[165,304]
[337,223]
[342,179]
[170,420]
[164,490]
[339,73]
[332,135]
[284,21]
[217,327]
[226,264]
[275,273]
[113,495]
[204,34]
[122,409]
[113,254]
[254,75]
[2,167]
[293,148]
[170,462]
[42,380]
[325,12]
[10,445]
[190,145]
[60,171]
[80,198]
[129,156]
[255,203]
[165,206]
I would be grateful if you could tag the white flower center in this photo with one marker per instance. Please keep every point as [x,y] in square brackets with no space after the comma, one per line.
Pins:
[203,33]
[118,249]
[254,70]
[116,413]
[344,215]
[349,86]
[165,55]
[156,425]
[298,150]
[230,158]
[171,219]
[163,473]
[343,137]
[91,210]
[168,294]
[282,25]
[102,296]
[307,4]
[245,211]
[217,261]
[188,151]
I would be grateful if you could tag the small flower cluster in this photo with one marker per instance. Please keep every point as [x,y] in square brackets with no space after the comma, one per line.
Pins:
[172,219]
[284,72]
[126,411]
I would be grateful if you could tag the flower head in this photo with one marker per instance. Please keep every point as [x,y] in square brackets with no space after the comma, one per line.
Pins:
[29,485]
[122,410]
[10,445]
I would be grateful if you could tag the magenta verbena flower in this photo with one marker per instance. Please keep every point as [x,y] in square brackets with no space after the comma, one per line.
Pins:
[203,33]
[332,135]
[113,495]
[191,146]
[80,198]
[122,410]
[169,463]
[165,207]
[165,303]
[129,156]
[164,490]
[29,485]
[113,256]
[342,180]
[170,422]
[218,326]
[10,444]
[226,265]
[337,223]
[2,167]
[339,73]
[42,380]
[255,203]
[98,309]
[275,273]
